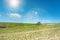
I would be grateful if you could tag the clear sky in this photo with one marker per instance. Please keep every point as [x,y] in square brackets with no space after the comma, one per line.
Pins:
[30,11]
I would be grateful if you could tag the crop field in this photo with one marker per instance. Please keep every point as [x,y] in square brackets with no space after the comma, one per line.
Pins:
[17,31]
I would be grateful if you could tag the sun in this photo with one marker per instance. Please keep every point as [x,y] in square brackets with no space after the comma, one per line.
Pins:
[13,3]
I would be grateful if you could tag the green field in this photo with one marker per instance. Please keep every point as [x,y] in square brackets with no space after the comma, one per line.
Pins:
[18,27]
[26,31]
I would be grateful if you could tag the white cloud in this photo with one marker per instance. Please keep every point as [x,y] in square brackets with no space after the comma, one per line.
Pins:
[14,15]
[35,12]
[31,16]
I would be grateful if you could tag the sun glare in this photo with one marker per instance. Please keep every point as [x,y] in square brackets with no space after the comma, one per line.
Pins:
[13,3]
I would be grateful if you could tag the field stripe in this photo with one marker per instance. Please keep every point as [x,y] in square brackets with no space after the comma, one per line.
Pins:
[34,30]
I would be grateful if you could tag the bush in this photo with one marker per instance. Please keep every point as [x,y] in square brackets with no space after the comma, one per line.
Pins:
[39,23]
[2,26]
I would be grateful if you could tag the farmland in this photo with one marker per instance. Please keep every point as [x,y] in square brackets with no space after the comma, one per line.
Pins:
[20,31]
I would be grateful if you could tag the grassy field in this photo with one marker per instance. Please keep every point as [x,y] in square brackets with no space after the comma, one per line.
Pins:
[20,31]
[18,27]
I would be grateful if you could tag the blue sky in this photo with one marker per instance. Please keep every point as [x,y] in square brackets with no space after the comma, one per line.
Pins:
[30,11]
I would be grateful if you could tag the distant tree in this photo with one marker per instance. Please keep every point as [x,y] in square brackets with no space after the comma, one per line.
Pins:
[38,23]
